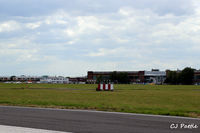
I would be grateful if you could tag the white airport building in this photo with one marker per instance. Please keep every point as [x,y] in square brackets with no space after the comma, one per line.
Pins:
[54,80]
[156,77]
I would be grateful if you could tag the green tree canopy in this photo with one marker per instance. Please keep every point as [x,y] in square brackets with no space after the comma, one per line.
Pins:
[187,76]
[121,77]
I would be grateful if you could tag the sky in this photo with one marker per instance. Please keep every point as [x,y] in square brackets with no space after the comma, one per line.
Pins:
[69,38]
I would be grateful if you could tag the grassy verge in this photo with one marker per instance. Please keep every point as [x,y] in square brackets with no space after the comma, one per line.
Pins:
[147,99]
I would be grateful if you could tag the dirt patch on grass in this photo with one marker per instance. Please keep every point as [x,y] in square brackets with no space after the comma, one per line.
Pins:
[194,115]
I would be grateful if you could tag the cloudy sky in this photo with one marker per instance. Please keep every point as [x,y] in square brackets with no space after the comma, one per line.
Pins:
[69,38]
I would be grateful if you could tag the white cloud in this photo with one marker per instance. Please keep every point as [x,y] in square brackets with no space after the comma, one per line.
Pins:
[19,50]
[118,52]
[128,38]
[85,25]
[33,25]
[9,26]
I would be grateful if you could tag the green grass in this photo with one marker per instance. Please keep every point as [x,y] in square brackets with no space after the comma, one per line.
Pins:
[148,99]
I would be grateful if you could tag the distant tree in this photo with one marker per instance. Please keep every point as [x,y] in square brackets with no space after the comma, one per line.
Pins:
[187,76]
[99,79]
[173,77]
[121,77]
[114,77]
[179,77]
[12,78]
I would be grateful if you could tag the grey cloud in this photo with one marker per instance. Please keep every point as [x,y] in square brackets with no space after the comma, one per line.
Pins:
[162,7]
[42,7]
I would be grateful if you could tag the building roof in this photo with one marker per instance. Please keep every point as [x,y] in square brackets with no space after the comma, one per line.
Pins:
[154,73]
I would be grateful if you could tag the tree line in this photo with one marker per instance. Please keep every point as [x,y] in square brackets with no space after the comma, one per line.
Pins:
[115,77]
[185,77]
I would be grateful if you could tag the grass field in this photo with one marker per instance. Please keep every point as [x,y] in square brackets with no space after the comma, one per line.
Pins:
[147,99]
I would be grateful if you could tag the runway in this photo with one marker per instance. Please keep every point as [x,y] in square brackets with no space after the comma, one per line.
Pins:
[14,129]
[86,121]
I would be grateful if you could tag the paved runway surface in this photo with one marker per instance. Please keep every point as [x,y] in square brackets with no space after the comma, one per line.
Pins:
[14,129]
[79,121]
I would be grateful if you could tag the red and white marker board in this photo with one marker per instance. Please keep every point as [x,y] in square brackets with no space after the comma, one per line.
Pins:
[105,87]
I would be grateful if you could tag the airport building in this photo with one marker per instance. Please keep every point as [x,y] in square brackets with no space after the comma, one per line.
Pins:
[77,80]
[19,79]
[135,77]
[155,76]
[34,79]
[140,77]
[54,80]
[197,77]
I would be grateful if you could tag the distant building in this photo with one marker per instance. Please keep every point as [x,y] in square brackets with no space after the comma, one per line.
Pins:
[35,79]
[77,80]
[197,77]
[21,78]
[29,79]
[4,78]
[155,76]
[54,80]
[134,76]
